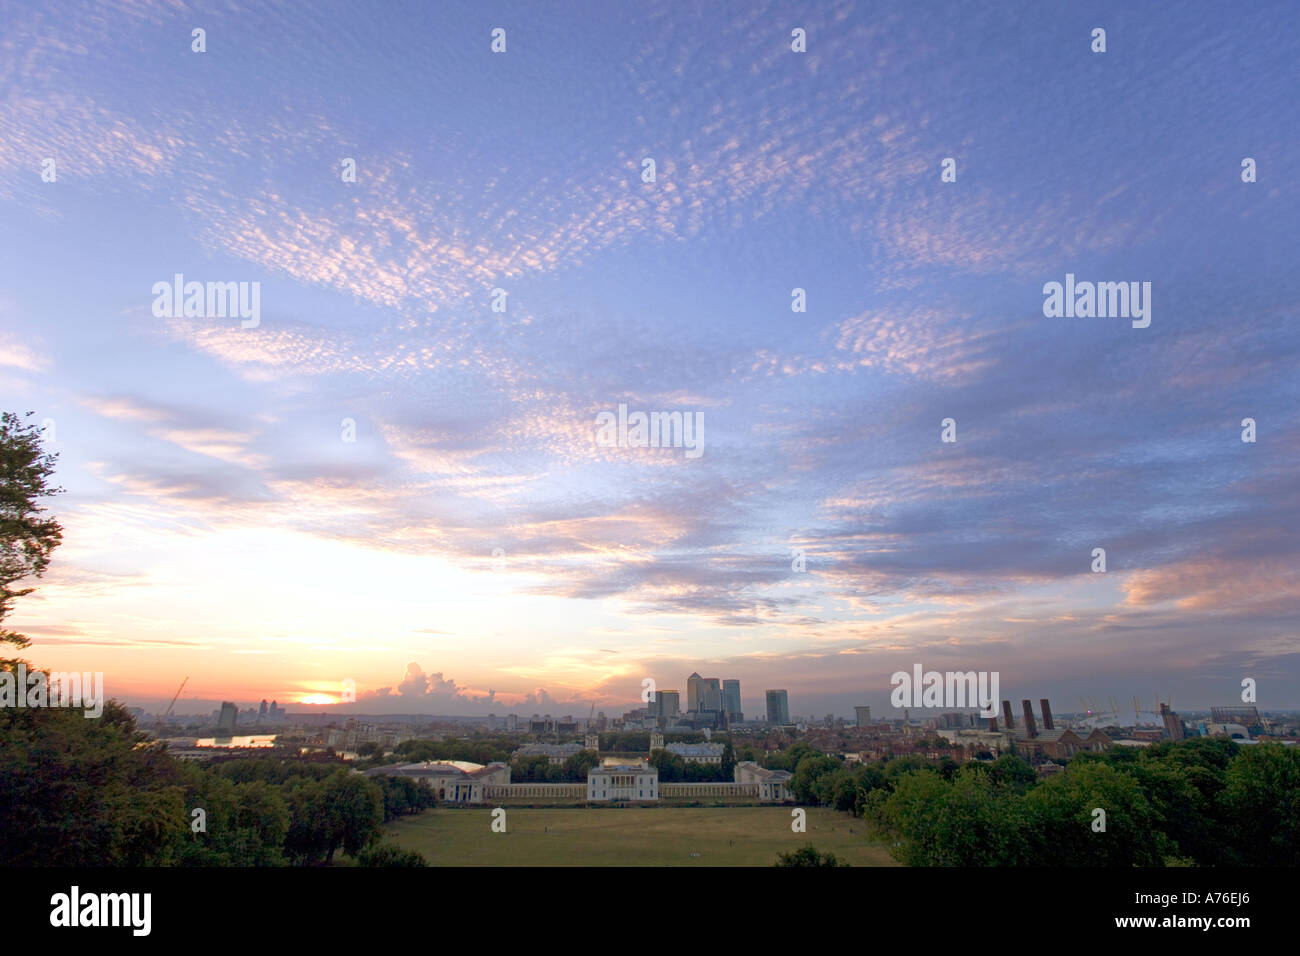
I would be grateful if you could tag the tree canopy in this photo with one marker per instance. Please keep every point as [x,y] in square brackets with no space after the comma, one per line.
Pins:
[27,534]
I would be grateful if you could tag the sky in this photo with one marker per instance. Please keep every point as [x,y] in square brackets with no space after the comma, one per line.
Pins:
[387,480]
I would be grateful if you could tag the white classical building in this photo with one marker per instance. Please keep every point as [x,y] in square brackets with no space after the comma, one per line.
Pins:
[773,785]
[455,781]
[623,779]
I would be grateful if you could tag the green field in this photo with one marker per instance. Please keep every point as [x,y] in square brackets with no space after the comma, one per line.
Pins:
[631,836]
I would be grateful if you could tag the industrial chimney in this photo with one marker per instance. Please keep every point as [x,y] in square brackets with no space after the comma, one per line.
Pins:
[1047,714]
[1006,715]
[1031,728]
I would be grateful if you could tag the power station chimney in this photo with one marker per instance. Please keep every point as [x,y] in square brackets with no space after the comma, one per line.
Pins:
[1030,727]
[1047,714]
[1006,715]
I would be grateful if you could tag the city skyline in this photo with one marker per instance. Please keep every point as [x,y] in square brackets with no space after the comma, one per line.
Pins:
[406,455]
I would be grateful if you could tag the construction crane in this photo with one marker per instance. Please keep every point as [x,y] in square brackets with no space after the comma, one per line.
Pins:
[173,703]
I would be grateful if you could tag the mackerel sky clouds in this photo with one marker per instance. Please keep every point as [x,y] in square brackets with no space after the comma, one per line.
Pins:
[218,525]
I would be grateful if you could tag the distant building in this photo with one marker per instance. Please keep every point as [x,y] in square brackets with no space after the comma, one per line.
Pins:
[455,781]
[670,704]
[778,707]
[1247,717]
[731,701]
[229,715]
[697,753]
[261,711]
[694,687]
[703,694]
[1174,726]
[1235,731]
[623,779]
[1049,741]
[863,715]
[773,785]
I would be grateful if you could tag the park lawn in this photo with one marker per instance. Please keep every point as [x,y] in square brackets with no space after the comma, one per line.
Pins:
[631,836]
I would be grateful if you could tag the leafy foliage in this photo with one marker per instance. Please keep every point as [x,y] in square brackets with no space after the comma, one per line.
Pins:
[807,855]
[27,536]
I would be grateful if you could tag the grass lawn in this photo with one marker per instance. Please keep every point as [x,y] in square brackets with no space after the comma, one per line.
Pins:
[631,836]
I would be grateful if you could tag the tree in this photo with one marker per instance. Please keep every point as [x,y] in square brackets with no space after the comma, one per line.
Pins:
[728,760]
[308,836]
[810,769]
[1061,816]
[78,792]
[1010,770]
[1262,799]
[389,854]
[26,538]
[355,808]
[807,855]
[672,768]
[576,767]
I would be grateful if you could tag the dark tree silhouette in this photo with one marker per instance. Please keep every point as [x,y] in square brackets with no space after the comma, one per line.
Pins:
[26,536]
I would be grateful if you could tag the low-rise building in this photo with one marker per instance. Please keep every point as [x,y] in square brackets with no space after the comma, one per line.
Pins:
[455,781]
[619,778]
[773,785]
[697,753]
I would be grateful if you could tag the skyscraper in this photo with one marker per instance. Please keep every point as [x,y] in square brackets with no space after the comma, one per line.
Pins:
[731,700]
[670,703]
[711,695]
[226,722]
[863,714]
[694,688]
[778,707]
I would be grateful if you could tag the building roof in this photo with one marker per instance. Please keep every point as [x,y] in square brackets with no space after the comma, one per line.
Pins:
[625,763]
[695,750]
[774,776]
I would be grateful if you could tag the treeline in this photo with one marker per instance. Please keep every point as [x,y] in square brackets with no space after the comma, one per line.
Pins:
[484,750]
[675,769]
[96,792]
[539,769]
[1201,802]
